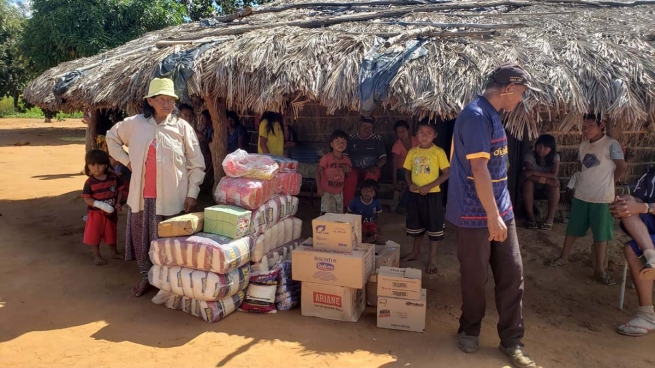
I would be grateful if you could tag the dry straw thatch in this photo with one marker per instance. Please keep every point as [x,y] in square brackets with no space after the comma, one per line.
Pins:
[584,55]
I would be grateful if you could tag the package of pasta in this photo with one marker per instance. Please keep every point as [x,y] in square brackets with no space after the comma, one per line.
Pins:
[245,193]
[202,251]
[199,285]
[285,164]
[209,311]
[288,183]
[241,164]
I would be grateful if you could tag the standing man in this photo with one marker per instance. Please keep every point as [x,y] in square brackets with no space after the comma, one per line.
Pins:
[480,207]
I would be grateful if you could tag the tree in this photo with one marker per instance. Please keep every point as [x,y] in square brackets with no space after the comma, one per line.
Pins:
[14,67]
[198,9]
[63,30]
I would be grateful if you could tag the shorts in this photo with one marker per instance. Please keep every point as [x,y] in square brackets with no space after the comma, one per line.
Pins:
[585,215]
[649,221]
[425,214]
[332,203]
[369,229]
[99,227]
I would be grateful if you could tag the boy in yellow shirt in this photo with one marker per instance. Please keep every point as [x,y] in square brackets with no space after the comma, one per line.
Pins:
[426,168]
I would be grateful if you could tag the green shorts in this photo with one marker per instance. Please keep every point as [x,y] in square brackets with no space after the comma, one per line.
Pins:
[585,215]
[332,203]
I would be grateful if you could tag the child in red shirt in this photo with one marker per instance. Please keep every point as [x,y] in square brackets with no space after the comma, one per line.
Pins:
[331,174]
[103,192]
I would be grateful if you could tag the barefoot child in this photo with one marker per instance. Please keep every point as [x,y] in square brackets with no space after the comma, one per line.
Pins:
[102,193]
[368,207]
[331,174]
[426,168]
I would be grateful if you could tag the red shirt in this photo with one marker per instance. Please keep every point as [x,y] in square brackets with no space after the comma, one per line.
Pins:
[103,190]
[400,153]
[333,175]
[150,185]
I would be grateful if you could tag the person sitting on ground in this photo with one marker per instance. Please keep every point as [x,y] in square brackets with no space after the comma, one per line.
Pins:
[541,169]
[368,207]
[368,154]
[331,173]
[236,133]
[602,166]
[426,168]
[399,152]
[637,215]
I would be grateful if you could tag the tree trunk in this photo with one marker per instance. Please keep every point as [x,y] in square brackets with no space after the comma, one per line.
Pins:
[16,97]
[218,145]
[92,129]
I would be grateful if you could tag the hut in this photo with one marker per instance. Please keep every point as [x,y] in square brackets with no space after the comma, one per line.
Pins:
[424,58]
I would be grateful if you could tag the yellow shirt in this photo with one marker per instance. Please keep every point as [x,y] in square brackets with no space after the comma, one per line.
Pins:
[275,142]
[425,164]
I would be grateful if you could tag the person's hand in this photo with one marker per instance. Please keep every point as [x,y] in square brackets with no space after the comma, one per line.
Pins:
[373,170]
[424,189]
[497,229]
[319,191]
[189,204]
[626,207]
[346,169]
[414,187]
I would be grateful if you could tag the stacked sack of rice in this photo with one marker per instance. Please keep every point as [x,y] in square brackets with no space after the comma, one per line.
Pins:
[257,199]
[201,273]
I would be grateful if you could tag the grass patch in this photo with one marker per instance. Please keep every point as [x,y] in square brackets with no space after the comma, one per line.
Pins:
[7,111]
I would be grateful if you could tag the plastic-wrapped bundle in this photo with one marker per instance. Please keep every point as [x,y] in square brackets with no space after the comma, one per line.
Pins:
[268,214]
[245,193]
[260,295]
[285,164]
[287,295]
[209,311]
[240,164]
[199,285]
[275,236]
[288,183]
[203,251]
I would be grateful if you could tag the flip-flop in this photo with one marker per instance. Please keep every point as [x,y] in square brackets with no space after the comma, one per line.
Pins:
[532,225]
[546,226]
[605,280]
[554,263]
[633,331]
[647,273]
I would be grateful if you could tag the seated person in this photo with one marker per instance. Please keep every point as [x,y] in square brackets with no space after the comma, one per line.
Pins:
[637,214]
[368,207]
[541,168]
[236,133]
[367,153]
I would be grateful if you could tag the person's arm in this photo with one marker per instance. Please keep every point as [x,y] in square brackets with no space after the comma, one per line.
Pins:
[394,173]
[628,205]
[195,166]
[263,145]
[319,176]
[621,169]
[117,137]
[408,179]
[484,189]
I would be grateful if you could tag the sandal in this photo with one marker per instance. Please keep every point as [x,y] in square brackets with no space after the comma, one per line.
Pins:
[546,226]
[638,326]
[605,279]
[554,263]
[532,225]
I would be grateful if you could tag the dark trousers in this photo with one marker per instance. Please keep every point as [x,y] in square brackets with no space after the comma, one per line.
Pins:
[475,253]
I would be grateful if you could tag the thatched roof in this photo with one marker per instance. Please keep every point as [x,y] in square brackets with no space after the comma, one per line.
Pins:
[585,55]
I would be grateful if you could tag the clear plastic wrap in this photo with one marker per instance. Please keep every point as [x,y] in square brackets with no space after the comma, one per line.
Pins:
[287,295]
[203,251]
[245,193]
[199,285]
[241,164]
[268,214]
[274,237]
[288,183]
[209,311]
[285,164]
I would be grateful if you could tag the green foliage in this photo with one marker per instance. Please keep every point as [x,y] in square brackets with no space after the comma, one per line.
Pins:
[198,9]
[63,30]
[7,111]
[14,67]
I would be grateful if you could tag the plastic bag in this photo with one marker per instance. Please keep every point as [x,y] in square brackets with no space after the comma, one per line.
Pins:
[246,193]
[240,164]
[260,295]
[285,164]
[199,285]
[288,183]
[209,311]
[268,214]
[287,295]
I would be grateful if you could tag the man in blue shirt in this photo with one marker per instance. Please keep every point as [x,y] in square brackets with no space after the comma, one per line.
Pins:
[480,207]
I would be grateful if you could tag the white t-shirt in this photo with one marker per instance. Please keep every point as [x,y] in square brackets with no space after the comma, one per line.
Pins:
[596,180]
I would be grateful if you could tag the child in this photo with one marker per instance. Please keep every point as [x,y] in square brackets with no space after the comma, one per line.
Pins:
[369,207]
[103,192]
[331,174]
[602,166]
[124,174]
[425,205]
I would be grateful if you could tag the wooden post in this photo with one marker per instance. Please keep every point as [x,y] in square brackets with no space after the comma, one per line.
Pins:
[218,145]
[92,131]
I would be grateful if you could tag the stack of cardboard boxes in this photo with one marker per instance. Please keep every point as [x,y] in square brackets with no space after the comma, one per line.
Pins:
[401,299]
[334,267]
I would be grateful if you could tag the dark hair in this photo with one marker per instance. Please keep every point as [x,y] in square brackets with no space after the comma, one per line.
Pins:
[185,107]
[206,114]
[399,124]
[427,124]
[367,119]
[595,117]
[271,118]
[149,111]
[337,134]
[99,157]
[371,184]
[232,115]
[546,140]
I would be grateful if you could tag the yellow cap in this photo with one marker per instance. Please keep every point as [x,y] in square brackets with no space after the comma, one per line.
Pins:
[161,86]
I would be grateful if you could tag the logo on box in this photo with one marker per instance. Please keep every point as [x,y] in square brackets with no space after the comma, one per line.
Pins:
[327,299]
[320,229]
[413,304]
[384,313]
[323,266]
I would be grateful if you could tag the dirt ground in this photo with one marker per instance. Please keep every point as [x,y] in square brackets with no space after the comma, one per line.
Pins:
[58,309]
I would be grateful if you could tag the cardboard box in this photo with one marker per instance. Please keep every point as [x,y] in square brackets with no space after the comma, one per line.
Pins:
[230,221]
[372,290]
[402,314]
[337,231]
[404,283]
[183,225]
[348,269]
[332,302]
[387,255]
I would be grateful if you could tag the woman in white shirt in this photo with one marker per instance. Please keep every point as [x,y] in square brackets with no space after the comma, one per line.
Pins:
[167,170]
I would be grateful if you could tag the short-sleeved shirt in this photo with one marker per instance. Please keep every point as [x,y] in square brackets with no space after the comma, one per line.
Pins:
[274,139]
[529,158]
[596,180]
[104,191]
[365,153]
[333,177]
[478,133]
[369,211]
[400,153]
[425,165]
[233,139]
